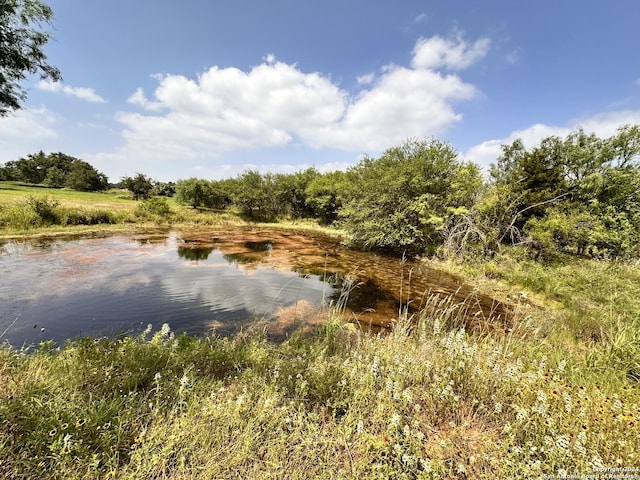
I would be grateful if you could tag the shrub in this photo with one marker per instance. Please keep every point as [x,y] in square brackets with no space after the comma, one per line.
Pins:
[154,207]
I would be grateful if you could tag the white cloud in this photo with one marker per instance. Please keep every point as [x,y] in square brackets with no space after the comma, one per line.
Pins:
[602,124]
[139,98]
[83,93]
[276,104]
[19,131]
[421,18]
[366,79]
[452,54]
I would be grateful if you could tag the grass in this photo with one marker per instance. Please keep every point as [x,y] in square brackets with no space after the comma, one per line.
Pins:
[557,394]
[34,210]
[424,401]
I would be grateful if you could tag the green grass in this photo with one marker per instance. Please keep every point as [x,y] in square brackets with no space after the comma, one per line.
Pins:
[15,191]
[69,211]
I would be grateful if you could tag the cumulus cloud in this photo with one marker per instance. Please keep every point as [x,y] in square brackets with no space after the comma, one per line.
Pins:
[602,124]
[276,104]
[19,131]
[449,53]
[83,93]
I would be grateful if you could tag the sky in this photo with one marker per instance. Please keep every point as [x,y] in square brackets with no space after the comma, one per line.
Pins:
[212,88]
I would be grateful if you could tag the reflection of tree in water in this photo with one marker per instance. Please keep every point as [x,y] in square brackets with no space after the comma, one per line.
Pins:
[253,255]
[241,258]
[360,295]
[261,246]
[194,253]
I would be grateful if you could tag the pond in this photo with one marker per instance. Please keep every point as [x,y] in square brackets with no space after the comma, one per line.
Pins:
[213,282]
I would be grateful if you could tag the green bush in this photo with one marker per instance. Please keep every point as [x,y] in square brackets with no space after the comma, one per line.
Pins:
[153,207]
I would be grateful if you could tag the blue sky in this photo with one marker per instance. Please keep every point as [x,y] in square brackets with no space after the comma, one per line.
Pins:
[209,88]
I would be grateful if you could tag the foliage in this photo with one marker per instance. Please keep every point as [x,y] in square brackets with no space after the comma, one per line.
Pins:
[56,170]
[155,207]
[256,196]
[21,49]
[196,193]
[579,194]
[86,178]
[324,196]
[140,186]
[400,202]
[164,189]
[292,193]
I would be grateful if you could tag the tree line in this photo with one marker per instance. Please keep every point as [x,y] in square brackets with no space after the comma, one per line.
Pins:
[579,194]
[55,170]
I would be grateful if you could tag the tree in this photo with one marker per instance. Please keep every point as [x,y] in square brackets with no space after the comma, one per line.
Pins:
[85,178]
[402,201]
[21,49]
[140,185]
[324,195]
[255,195]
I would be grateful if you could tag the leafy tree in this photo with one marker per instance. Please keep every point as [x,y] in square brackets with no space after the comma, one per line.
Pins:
[401,201]
[255,195]
[535,178]
[55,178]
[292,192]
[324,195]
[21,49]
[197,192]
[580,195]
[86,178]
[164,189]
[140,186]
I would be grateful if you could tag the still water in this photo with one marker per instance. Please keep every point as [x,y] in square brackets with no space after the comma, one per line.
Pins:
[215,282]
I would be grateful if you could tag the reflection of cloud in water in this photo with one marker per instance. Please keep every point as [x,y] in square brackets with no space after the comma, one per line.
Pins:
[228,288]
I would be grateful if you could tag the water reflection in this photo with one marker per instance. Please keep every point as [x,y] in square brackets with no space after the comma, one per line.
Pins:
[219,281]
[194,253]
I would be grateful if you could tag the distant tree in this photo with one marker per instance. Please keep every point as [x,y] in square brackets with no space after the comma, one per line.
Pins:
[140,186]
[197,192]
[291,192]
[164,189]
[256,196]
[55,178]
[86,178]
[21,49]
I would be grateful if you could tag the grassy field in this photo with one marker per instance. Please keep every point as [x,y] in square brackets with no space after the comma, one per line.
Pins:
[35,210]
[12,192]
[556,393]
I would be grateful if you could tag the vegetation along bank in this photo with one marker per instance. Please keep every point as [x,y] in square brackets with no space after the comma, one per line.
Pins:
[553,230]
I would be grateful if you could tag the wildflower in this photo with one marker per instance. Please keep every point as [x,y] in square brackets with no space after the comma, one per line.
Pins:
[542,397]
[165,330]
[425,463]
[561,366]
[522,414]
[395,420]
[562,442]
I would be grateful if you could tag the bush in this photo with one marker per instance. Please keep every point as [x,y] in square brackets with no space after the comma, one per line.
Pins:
[400,202]
[44,208]
[154,207]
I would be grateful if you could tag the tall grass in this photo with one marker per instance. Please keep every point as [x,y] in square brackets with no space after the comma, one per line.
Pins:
[427,400]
